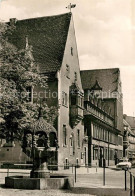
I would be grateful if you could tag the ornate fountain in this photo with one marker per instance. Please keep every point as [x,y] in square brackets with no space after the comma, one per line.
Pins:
[39,141]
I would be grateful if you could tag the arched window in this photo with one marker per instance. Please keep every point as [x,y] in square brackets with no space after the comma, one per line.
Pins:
[42,139]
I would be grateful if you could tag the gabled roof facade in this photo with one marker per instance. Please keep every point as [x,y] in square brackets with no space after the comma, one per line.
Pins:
[130,120]
[107,78]
[128,127]
[47,36]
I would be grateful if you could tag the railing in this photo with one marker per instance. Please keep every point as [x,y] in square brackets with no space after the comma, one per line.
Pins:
[132,182]
[99,114]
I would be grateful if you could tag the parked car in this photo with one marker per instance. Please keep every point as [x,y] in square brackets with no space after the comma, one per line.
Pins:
[124,164]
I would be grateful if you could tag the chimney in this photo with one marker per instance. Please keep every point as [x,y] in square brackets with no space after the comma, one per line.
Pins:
[13,21]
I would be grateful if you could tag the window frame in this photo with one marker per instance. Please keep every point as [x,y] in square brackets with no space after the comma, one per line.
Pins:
[67,71]
[75,76]
[64,99]
[78,138]
[72,53]
[64,135]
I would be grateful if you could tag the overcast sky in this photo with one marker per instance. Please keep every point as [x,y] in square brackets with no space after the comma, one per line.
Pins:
[105,34]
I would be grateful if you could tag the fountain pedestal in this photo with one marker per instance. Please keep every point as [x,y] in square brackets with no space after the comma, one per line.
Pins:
[41,172]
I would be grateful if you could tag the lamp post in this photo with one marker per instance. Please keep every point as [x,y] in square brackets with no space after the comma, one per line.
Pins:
[33,149]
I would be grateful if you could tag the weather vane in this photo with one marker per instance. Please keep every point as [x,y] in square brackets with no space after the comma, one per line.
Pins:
[70,6]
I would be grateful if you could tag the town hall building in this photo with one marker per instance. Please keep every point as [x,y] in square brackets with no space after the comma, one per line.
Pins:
[103,115]
[54,50]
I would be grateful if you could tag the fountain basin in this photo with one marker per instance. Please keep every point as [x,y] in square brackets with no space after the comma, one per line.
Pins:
[25,182]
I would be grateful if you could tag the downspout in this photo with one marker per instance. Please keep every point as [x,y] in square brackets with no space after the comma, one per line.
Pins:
[108,149]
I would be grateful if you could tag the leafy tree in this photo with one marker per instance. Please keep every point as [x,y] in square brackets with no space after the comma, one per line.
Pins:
[18,72]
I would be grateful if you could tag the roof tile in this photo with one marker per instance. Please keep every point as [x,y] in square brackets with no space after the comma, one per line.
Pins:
[107,78]
[47,36]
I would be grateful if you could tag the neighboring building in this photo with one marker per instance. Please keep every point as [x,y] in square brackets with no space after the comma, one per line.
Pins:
[54,49]
[131,121]
[103,115]
[129,137]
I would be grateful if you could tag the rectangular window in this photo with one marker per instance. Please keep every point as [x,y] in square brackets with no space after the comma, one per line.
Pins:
[71,142]
[96,132]
[64,98]
[66,165]
[77,162]
[71,51]
[111,154]
[78,138]
[73,100]
[64,135]
[106,156]
[120,140]
[101,137]
[75,76]
[93,130]
[95,153]
[106,135]
[82,102]
[67,71]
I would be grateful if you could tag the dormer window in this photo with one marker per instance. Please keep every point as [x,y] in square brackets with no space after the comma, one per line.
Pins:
[71,51]
[67,71]
[96,90]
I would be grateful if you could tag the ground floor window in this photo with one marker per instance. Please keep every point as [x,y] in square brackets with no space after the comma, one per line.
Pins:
[77,162]
[111,154]
[105,153]
[95,153]
[66,164]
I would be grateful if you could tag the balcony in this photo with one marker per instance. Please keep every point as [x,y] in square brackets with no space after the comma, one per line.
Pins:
[97,112]
[76,115]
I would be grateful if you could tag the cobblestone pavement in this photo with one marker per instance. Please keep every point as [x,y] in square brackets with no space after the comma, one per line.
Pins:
[15,192]
[89,182]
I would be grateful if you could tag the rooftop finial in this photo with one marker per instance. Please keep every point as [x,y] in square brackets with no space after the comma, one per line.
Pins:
[70,6]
